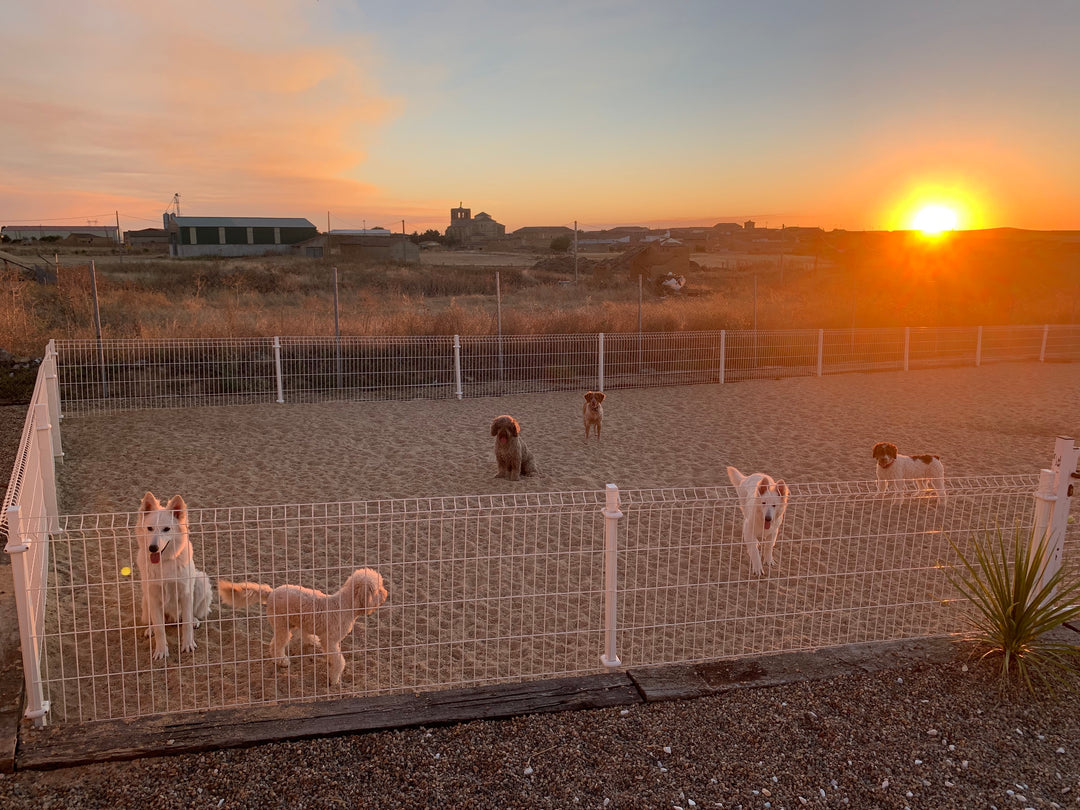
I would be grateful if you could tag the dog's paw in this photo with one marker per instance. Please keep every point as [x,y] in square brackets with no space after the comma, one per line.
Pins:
[282,662]
[161,653]
[189,646]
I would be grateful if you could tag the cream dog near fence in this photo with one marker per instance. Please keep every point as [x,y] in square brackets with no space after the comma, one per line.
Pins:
[322,619]
[763,503]
[173,589]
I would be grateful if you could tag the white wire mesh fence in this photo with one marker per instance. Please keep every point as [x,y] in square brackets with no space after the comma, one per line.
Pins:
[489,589]
[123,374]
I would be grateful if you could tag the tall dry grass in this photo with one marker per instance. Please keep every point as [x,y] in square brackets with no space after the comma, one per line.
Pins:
[276,296]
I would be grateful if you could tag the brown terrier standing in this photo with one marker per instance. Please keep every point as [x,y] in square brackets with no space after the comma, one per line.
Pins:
[594,411]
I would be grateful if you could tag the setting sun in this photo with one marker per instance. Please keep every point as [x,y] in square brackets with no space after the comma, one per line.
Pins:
[933,219]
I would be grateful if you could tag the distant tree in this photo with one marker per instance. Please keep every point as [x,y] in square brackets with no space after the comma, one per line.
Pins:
[561,244]
[430,235]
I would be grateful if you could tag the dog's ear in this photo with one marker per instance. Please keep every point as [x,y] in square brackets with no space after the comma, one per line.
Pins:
[877,450]
[177,506]
[781,487]
[369,583]
[495,426]
[600,397]
[149,502]
[762,487]
[588,395]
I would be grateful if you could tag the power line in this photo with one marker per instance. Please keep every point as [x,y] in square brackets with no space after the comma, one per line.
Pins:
[60,219]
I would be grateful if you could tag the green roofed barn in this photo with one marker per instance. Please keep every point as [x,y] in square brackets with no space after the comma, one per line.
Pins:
[236,236]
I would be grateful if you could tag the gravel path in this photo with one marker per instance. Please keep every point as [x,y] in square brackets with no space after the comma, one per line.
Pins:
[927,737]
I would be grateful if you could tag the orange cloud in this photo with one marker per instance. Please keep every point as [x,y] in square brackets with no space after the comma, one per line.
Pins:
[267,117]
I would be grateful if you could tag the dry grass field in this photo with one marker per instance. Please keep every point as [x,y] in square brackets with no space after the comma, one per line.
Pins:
[865,284]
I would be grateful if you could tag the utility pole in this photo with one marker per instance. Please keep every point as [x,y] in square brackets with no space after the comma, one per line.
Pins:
[117,227]
[575,251]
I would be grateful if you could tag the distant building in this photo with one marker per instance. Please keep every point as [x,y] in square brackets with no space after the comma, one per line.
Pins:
[748,225]
[465,229]
[147,239]
[235,236]
[374,245]
[540,237]
[107,234]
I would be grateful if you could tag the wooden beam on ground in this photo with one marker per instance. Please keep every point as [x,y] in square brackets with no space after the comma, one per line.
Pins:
[699,680]
[63,746]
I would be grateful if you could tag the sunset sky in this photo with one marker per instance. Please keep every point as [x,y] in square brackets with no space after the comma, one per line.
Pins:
[838,114]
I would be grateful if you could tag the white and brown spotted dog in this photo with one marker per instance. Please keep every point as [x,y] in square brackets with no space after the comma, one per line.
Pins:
[594,411]
[511,452]
[892,468]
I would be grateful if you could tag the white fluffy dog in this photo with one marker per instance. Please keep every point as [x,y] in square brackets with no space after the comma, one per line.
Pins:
[763,502]
[318,617]
[173,590]
[892,468]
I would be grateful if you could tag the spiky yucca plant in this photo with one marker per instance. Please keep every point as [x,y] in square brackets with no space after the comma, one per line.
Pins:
[1011,610]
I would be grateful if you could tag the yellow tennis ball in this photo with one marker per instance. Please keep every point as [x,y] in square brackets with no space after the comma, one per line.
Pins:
[125,571]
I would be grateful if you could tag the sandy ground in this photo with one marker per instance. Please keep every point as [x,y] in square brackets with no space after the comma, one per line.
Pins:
[470,601]
[999,419]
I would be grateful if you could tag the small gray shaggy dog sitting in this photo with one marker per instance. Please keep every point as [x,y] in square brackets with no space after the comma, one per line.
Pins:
[511,452]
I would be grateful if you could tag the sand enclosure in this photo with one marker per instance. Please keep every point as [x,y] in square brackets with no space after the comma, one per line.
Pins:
[509,585]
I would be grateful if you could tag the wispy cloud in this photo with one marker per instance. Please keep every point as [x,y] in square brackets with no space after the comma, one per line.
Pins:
[272,119]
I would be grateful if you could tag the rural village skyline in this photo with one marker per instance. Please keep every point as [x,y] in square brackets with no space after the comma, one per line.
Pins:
[839,115]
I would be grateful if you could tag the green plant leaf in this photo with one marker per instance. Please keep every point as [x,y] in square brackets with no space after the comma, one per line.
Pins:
[1013,604]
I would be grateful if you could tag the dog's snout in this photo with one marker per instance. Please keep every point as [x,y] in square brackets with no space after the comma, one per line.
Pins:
[153,548]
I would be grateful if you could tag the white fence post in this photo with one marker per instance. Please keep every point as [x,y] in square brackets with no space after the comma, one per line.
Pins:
[611,545]
[1052,502]
[907,347]
[1044,510]
[1066,455]
[978,348]
[36,705]
[723,352]
[46,464]
[277,370]
[820,349]
[600,364]
[52,396]
[457,366]
[1042,349]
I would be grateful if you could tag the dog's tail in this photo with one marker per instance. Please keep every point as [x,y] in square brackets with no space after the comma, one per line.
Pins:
[242,594]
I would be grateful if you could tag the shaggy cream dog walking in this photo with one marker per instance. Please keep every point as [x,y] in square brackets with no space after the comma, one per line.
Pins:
[319,618]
